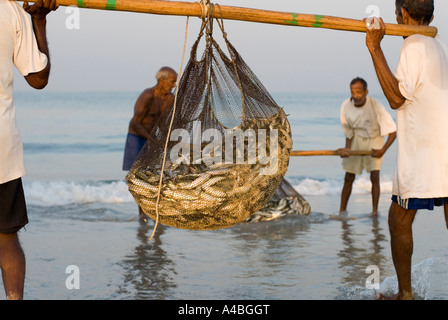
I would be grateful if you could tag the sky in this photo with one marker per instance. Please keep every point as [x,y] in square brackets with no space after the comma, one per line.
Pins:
[122,51]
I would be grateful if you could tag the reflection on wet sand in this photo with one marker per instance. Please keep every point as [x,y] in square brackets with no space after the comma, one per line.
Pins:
[356,254]
[148,269]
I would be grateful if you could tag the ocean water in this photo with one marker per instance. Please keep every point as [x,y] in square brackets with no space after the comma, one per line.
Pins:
[82,214]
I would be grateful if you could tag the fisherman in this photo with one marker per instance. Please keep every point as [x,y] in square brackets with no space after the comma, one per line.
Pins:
[365,123]
[419,92]
[26,47]
[152,104]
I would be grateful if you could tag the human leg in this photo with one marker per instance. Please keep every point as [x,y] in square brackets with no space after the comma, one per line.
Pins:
[445,208]
[375,179]
[400,228]
[13,217]
[12,264]
[346,191]
[133,146]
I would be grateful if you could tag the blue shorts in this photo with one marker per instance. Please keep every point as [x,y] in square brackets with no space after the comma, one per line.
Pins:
[418,204]
[134,145]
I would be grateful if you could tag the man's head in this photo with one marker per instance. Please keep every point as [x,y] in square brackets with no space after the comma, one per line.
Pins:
[358,89]
[166,77]
[420,11]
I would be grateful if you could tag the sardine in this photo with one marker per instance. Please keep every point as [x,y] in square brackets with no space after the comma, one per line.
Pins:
[197,182]
[180,195]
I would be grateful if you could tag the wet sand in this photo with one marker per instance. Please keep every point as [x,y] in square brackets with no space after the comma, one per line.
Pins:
[291,258]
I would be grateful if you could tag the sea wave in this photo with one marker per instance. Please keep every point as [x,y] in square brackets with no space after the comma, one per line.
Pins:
[57,193]
[333,187]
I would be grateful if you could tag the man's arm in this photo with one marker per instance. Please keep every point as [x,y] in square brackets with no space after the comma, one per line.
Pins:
[140,110]
[345,152]
[378,153]
[38,12]
[387,80]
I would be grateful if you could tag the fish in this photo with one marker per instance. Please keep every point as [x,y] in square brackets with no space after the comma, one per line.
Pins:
[211,198]
[197,182]
[283,207]
[213,181]
[216,192]
[179,195]
[142,191]
[220,193]
[143,184]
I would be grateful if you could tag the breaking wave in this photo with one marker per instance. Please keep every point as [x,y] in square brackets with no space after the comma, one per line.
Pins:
[57,193]
[333,187]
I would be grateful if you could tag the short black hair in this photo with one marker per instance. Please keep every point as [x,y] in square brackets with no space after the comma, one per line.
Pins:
[361,80]
[419,10]
[399,3]
[398,6]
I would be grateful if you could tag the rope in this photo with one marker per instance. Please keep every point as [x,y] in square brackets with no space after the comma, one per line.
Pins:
[205,6]
[169,132]
[224,34]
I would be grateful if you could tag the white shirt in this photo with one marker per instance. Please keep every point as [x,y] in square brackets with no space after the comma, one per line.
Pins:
[369,121]
[18,47]
[422,121]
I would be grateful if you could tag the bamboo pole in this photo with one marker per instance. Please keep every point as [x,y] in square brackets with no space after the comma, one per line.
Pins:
[245,14]
[328,153]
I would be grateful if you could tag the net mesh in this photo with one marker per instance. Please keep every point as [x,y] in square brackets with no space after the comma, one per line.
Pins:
[228,148]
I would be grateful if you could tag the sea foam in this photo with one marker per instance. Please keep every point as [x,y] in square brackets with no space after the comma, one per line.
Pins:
[56,193]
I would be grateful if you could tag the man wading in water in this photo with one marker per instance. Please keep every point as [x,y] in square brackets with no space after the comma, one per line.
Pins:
[152,104]
[419,92]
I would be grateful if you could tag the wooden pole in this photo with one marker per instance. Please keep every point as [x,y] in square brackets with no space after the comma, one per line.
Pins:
[245,14]
[328,153]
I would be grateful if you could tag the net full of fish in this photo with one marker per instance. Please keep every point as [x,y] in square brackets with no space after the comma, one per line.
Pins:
[216,92]
[201,197]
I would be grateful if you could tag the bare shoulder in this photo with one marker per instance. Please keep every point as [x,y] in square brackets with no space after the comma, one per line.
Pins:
[147,93]
[145,96]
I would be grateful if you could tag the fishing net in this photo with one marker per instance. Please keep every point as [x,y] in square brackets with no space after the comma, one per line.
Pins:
[228,147]
[285,201]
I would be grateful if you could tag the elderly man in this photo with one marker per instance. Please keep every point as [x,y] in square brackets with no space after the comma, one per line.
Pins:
[365,122]
[151,105]
[25,47]
[419,92]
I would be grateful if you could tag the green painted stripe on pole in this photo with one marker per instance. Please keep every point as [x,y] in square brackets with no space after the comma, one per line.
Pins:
[318,23]
[294,21]
[110,5]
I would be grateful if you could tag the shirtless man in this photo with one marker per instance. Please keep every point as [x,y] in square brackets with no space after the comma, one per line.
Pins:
[151,105]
